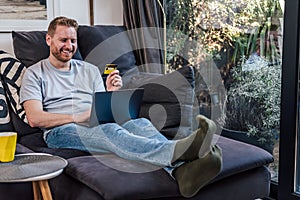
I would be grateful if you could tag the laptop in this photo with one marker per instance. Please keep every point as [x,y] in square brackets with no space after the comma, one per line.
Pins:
[116,106]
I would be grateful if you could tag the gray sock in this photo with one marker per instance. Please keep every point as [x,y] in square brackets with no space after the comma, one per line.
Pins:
[193,176]
[198,143]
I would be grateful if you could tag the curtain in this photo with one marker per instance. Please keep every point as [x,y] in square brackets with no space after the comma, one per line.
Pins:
[144,21]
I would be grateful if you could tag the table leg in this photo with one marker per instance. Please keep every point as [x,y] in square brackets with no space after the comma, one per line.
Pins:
[36,190]
[45,189]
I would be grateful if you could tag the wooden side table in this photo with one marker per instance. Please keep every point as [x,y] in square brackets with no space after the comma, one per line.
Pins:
[37,168]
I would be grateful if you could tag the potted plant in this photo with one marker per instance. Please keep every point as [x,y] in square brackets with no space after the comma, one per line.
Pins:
[253,102]
[254,88]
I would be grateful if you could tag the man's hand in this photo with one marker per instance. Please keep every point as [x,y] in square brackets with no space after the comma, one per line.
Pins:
[82,118]
[114,81]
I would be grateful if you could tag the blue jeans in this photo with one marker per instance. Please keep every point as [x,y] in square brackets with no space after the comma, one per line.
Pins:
[135,140]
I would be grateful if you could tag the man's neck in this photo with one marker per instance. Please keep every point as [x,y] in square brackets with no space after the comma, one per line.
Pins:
[63,66]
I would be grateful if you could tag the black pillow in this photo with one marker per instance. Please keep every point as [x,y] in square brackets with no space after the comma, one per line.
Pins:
[103,44]
[31,47]
[168,100]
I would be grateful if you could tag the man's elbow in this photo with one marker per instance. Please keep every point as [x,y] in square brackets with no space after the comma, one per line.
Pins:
[34,123]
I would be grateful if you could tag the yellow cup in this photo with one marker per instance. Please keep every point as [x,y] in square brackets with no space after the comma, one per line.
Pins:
[8,142]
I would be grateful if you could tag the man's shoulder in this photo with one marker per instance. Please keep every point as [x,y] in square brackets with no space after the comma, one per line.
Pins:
[36,66]
[83,64]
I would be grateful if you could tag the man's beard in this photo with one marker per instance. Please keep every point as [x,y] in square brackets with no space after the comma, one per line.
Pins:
[57,54]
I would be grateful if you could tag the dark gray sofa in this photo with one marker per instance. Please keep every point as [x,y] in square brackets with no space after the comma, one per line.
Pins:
[244,173]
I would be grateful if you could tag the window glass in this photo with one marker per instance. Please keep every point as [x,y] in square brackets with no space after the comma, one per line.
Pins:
[25,15]
[27,9]
[236,48]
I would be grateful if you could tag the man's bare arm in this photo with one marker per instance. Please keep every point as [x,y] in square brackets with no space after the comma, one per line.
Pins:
[37,117]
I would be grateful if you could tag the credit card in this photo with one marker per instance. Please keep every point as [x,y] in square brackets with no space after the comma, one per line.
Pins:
[109,68]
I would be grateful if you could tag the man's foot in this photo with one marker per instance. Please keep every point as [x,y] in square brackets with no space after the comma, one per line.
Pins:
[198,143]
[192,176]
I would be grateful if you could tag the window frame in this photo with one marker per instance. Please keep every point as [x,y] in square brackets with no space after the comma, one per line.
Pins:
[289,103]
[7,25]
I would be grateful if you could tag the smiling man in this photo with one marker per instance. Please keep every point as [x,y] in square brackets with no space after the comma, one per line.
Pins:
[57,95]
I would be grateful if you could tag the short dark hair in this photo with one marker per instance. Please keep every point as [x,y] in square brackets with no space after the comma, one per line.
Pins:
[63,21]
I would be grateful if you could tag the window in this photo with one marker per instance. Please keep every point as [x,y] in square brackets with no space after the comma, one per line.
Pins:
[25,15]
[289,169]
[237,50]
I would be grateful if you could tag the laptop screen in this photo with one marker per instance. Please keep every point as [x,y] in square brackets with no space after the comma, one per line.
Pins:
[117,106]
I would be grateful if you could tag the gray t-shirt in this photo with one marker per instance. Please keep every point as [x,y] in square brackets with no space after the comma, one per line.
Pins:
[65,92]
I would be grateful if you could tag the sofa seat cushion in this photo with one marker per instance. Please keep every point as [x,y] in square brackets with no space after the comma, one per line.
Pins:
[115,178]
[101,173]
[22,149]
[36,143]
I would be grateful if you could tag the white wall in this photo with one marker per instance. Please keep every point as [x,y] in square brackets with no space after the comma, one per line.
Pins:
[77,9]
[108,12]
[105,12]
[6,43]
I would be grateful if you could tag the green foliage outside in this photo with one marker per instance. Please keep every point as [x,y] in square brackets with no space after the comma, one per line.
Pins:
[253,103]
[237,27]
[235,34]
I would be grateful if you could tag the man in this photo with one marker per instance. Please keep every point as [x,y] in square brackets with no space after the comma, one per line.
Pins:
[57,94]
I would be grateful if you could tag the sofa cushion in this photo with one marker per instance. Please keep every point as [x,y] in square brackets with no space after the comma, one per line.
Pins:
[31,47]
[168,100]
[98,172]
[11,72]
[111,183]
[5,123]
[239,157]
[20,149]
[103,44]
